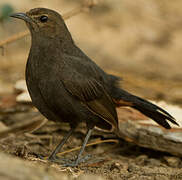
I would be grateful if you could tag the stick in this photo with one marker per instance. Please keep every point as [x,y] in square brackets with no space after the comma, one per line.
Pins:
[90,144]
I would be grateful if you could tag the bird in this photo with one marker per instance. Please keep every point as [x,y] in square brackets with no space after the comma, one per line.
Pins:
[65,85]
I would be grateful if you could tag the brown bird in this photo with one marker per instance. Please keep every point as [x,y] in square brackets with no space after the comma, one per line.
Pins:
[67,86]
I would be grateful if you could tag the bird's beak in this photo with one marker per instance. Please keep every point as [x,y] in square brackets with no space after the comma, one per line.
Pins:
[22,16]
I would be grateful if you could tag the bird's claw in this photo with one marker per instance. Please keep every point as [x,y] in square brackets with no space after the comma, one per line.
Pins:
[56,159]
[74,163]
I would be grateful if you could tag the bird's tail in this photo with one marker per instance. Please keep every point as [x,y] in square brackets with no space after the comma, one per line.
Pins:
[147,108]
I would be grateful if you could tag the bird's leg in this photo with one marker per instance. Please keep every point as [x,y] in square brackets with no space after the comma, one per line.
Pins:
[79,159]
[53,156]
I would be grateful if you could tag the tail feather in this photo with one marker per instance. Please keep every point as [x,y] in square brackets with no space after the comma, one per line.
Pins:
[149,109]
[156,107]
[156,116]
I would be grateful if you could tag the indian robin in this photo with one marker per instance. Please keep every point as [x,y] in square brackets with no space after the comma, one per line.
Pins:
[66,85]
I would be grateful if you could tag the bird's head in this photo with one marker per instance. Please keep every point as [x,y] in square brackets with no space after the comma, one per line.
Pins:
[45,22]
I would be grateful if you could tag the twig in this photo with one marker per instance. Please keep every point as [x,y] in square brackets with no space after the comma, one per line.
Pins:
[90,144]
[13,38]
[73,12]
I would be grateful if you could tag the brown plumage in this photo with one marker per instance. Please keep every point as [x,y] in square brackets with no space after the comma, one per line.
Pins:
[66,85]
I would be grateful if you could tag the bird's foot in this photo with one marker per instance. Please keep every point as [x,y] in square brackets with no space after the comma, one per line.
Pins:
[67,162]
[57,159]
[74,163]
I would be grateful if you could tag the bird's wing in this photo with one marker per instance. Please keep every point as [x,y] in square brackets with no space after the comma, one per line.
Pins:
[91,93]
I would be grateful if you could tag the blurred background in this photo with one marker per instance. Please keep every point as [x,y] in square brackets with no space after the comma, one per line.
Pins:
[139,40]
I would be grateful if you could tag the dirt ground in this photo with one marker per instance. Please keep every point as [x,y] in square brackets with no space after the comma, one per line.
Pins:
[140,41]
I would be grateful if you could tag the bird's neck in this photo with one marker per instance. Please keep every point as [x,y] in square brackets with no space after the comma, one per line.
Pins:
[53,45]
[64,44]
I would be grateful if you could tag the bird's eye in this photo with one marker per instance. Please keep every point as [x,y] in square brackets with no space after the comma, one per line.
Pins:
[43,19]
